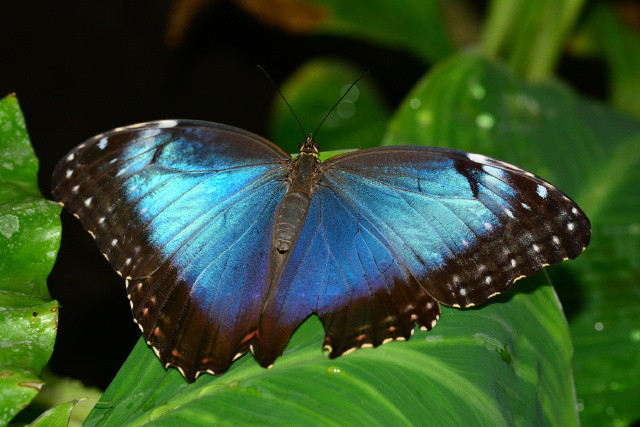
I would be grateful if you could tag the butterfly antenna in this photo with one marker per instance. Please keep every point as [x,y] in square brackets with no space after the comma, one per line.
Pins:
[304,133]
[339,101]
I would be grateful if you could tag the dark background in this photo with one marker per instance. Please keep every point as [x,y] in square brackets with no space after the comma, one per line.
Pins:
[80,68]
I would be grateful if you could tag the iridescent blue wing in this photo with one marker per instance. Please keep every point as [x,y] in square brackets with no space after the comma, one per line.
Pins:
[391,232]
[184,211]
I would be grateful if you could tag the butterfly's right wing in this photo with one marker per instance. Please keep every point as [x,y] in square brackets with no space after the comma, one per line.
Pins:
[184,211]
[391,232]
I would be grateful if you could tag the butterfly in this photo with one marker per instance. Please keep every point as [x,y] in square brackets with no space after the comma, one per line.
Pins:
[227,243]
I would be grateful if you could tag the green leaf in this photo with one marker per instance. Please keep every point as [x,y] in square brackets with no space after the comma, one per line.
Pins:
[507,363]
[29,239]
[359,120]
[591,153]
[413,25]
[58,415]
[529,35]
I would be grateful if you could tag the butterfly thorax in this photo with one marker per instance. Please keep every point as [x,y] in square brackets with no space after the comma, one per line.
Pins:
[302,180]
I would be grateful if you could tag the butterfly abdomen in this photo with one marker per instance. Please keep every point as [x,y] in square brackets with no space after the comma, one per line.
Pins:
[293,209]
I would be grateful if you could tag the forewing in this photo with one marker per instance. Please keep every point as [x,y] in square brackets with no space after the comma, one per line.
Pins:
[184,211]
[470,225]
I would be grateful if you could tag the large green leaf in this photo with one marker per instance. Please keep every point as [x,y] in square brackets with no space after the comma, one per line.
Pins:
[506,363]
[359,120]
[29,240]
[591,153]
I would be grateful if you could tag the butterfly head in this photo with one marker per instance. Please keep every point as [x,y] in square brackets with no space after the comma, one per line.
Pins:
[309,146]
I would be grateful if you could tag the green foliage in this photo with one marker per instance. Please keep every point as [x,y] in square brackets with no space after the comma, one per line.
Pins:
[508,362]
[29,238]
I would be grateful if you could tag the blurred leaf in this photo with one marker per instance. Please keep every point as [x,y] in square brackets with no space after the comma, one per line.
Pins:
[29,238]
[412,25]
[359,120]
[591,153]
[620,46]
[507,363]
[529,35]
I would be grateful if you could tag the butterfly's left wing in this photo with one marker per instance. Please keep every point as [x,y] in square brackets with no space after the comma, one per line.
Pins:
[393,231]
[184,211]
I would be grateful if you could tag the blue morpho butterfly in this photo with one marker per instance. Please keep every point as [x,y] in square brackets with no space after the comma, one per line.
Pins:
[227,243]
